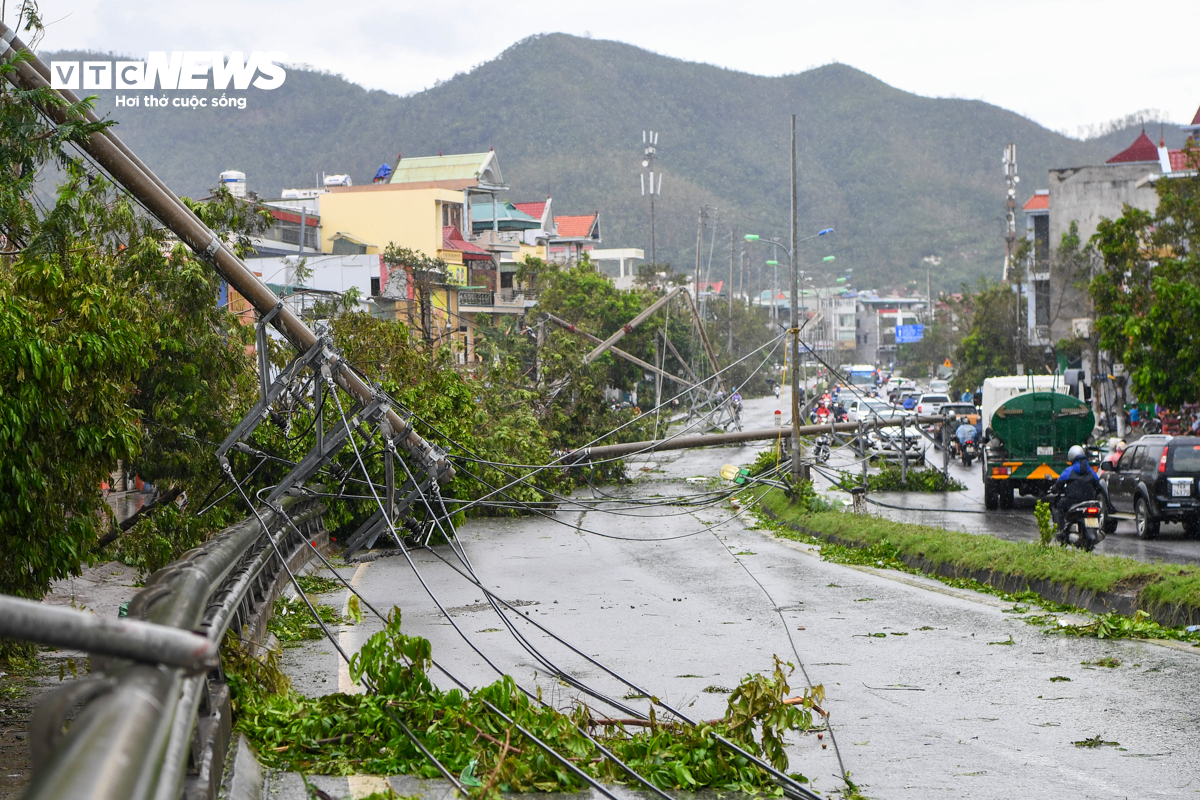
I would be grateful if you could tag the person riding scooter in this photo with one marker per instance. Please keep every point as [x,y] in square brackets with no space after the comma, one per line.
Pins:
[1078,483]
[965,434]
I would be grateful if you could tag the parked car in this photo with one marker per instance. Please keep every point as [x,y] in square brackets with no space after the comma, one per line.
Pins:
[930,403]
[869,408]
[937,385]
[1155,482]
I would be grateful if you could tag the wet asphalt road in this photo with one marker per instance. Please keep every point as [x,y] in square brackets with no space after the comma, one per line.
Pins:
[964,511]
[942,705]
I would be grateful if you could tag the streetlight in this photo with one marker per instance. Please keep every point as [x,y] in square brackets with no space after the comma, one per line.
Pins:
[754,237]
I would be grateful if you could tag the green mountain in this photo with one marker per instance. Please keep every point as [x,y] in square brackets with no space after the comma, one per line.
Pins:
[899,176]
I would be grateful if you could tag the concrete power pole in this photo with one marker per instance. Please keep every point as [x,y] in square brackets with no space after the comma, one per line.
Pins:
[798,474]
[729,292]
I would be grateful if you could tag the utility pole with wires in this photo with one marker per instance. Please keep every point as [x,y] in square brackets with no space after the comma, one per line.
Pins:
[798,472]
[729,290]
[650,150]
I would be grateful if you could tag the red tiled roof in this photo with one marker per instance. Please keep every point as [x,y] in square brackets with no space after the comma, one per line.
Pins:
[715,288]
[1039,202]
[452,240]
[534,210]
[575,227]
[1179,161]
[1142,149]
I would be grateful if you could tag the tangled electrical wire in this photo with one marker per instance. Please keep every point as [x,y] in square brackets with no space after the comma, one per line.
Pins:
[439,515]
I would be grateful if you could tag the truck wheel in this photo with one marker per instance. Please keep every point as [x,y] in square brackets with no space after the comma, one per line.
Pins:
[1006,498]
[991,497]
[1147,526]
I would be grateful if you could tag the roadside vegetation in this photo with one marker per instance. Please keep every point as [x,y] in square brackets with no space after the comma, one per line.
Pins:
[874,541]
[890,479]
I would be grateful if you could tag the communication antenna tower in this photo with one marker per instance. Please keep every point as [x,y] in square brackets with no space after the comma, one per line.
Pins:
[1010,210]
[650,149]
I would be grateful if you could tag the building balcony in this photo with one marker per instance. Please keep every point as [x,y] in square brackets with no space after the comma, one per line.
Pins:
[507,301]
[498,241]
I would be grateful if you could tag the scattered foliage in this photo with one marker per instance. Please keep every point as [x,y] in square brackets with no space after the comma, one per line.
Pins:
[341,734]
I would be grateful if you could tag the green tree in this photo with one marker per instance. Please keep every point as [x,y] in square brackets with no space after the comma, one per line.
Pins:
[111,348]
[1147,293]
[988,347]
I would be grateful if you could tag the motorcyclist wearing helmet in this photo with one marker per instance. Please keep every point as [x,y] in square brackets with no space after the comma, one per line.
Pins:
[1078,483]
[965,432]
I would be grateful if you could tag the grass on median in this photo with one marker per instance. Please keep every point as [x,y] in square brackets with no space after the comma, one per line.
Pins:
[882,542]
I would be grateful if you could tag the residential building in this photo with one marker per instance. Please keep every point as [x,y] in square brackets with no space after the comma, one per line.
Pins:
[535,241]
[574,236]
[876,319]
[1057,307]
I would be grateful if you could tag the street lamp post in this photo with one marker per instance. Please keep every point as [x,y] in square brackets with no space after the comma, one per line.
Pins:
[795,326]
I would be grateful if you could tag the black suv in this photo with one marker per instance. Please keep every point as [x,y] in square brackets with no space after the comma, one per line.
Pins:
[1155,482]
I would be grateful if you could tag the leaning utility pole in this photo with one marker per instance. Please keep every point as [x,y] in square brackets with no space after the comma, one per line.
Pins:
[127,170]
[797,472]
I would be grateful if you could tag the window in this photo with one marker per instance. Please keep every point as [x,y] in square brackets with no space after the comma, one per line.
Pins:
[1041,302]
[1186,458]
[374,287]
[1041,238]
[1127,459]
[451,215]
[845,320]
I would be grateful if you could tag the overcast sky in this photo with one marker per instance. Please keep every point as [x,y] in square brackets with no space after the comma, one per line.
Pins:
[1063,63]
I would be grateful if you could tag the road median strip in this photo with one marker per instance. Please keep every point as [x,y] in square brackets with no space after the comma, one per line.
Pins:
[1168,593]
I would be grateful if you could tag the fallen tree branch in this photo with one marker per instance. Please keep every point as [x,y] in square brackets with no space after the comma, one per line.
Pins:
[163,498]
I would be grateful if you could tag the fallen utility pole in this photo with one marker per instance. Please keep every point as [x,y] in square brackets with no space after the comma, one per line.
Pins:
[633,323]
[712,358]
[127,170]
[719,439]
[567,326]
[687,367]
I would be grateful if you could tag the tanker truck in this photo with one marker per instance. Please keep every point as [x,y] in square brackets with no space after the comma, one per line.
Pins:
[1029,423]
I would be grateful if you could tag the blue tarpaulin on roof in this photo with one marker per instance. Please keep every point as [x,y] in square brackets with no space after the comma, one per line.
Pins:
[382,174]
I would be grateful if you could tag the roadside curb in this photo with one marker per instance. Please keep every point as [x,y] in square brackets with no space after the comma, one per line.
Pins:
[1097,602]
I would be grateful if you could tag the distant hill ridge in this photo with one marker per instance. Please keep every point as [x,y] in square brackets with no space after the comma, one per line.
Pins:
[899,176]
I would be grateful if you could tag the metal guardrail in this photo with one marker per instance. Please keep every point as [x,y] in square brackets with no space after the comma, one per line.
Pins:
[476,299]
[150,731]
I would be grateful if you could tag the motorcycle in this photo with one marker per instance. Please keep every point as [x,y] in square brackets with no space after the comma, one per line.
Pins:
[970,452]
[1081,525]
[778,391]
[821,449]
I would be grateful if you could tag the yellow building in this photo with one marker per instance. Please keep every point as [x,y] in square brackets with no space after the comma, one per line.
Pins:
[382,214]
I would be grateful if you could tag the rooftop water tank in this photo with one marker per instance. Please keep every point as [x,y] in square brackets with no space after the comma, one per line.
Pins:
[235,182]
[338,180]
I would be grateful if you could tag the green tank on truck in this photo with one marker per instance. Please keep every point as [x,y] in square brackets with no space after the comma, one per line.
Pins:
[1030,433]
